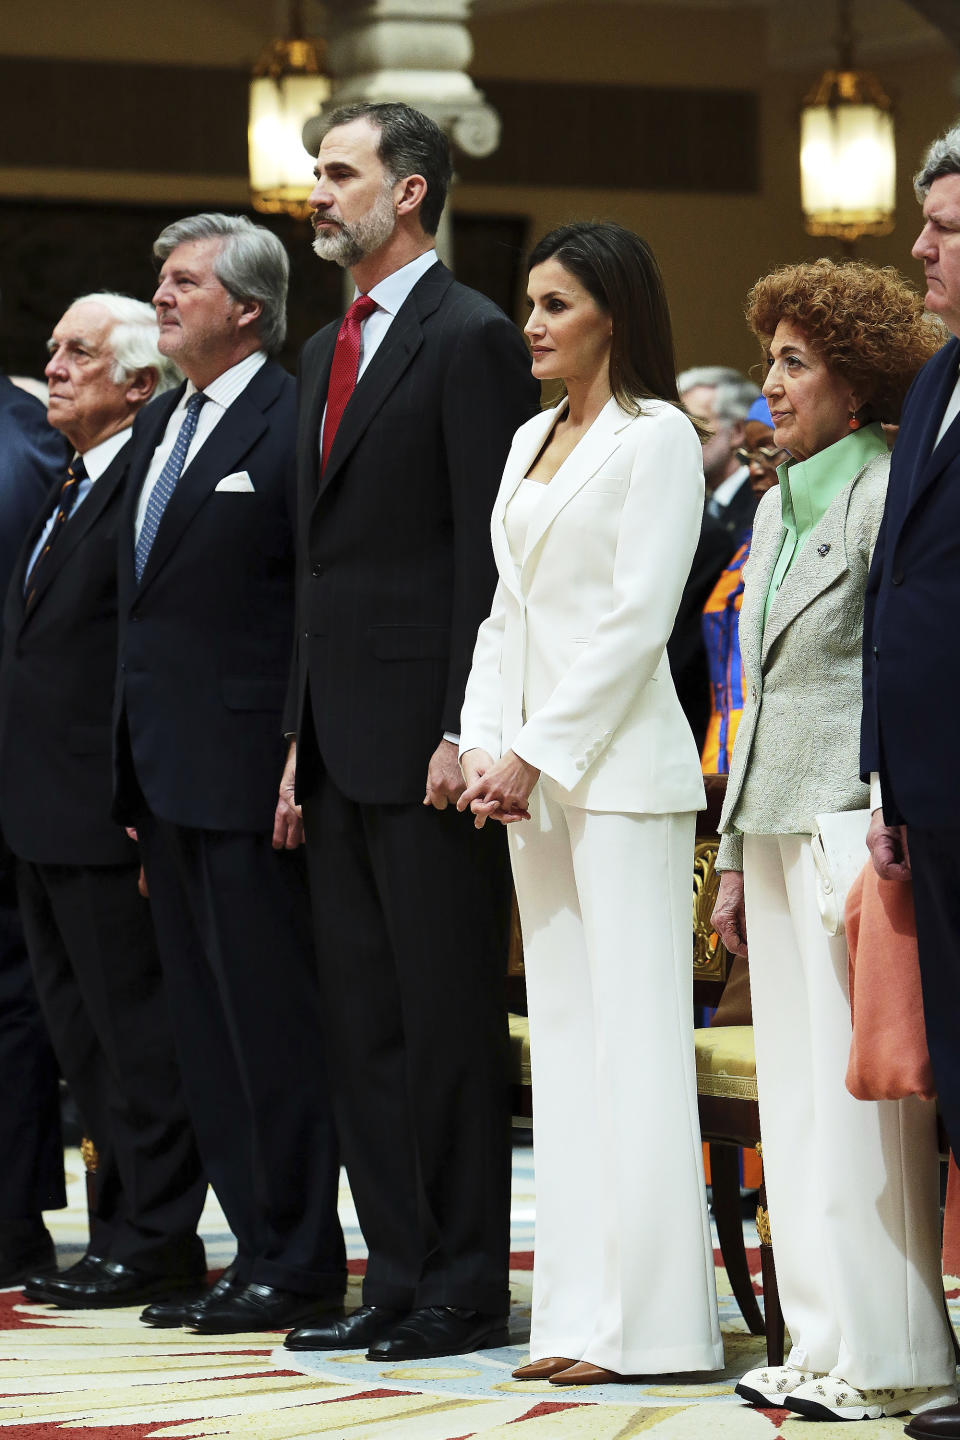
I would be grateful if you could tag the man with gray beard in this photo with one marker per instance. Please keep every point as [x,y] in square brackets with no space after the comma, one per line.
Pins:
[407,411]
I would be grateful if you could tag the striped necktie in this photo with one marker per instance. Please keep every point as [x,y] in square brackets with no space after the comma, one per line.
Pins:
[166,483]
[76,471]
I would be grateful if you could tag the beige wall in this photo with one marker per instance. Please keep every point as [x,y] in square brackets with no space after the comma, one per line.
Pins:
[711,248]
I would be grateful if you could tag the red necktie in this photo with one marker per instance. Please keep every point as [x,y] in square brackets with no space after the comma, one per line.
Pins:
[343,371]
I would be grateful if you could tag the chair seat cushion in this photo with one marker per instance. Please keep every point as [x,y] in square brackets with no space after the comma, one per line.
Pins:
[725,1062]
[519,1050]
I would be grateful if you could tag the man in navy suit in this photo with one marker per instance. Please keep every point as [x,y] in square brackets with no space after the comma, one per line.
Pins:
[206,583]
[911,693]
[407,411]
[88,930]
[33,458]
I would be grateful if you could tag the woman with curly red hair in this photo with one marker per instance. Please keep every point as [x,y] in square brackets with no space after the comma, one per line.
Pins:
[852,1185]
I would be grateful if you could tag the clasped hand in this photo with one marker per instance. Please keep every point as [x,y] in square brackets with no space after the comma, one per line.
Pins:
[496,790]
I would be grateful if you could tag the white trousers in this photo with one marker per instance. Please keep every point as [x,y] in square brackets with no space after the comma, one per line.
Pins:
[623,1272]
[852,1185]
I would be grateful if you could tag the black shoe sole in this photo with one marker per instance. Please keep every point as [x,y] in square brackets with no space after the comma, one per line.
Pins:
[489,1340]
[757,1398]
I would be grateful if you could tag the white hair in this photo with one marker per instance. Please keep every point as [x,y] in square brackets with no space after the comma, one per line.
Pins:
[133,339]
[942,158]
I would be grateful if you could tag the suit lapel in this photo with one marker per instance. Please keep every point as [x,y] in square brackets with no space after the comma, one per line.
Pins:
[821,561]
[929,462]
[235,434]
[394,354]
[518,464]
[599,443]
[313,398]
[77,526]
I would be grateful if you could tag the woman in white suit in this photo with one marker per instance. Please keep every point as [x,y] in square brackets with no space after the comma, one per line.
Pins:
[572,734]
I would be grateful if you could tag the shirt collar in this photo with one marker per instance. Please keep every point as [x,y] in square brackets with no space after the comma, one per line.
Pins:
[98,457]
[392,291]
[228,384]
[808,486]
[726,490]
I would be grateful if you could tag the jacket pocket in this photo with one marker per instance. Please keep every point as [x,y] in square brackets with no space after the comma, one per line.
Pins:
[245,692]
[409,642]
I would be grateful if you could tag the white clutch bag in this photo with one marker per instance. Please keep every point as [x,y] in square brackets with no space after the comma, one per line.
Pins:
[839,846]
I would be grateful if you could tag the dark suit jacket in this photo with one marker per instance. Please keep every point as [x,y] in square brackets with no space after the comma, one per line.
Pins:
[396,564]
[911,680]
[205,639]
[736,517]
[33,457]
[56,690]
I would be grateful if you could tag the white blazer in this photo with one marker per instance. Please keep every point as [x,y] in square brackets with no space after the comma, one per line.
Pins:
[570,669]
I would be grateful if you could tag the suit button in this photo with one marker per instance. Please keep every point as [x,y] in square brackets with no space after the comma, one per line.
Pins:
[581,764]
[897,577]
[123,665]
[876,652]
[315,571]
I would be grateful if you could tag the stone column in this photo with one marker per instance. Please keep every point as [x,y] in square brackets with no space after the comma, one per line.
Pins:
[411,50]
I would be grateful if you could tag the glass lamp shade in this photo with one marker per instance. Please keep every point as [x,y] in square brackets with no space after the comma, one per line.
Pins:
[848,157]
[287,88]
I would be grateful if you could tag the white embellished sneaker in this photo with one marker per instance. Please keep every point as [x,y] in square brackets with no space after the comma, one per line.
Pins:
[827,1398]
[769,1386]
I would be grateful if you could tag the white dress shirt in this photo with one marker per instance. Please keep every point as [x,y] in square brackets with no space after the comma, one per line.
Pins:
[950,414]
[95,461]
[220,394]
[389,295]
[726,490]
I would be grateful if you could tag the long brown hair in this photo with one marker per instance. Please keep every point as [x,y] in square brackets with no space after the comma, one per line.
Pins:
[618,269]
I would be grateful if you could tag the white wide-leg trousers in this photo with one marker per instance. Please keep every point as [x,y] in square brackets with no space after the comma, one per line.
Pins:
[852,1185]
[623,1272]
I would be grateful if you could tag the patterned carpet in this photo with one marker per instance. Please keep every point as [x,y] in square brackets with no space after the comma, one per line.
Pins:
[104,1376]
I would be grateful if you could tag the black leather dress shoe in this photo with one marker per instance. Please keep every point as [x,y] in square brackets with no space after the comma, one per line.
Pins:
[184,1309]
[36,1286]
[262,1307]
[936,1424]
[25,1254]
[441,1330]
[112,1284]
[356,1331]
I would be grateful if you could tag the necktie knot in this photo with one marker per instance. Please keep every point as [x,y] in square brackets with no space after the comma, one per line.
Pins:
[360,309]
[76,470]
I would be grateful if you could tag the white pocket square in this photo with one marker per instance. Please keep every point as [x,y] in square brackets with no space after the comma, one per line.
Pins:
[239,483]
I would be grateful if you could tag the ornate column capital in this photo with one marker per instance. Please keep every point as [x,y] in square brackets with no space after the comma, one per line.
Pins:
[411,50]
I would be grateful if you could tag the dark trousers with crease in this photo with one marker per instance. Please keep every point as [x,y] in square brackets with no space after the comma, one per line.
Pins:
[90,937]
[411,914]
[233,930]
[30,1139]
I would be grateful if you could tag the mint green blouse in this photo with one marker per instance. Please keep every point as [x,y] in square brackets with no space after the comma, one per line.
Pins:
[807,489]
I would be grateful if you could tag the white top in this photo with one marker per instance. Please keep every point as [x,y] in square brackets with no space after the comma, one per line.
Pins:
[516,518]
[220,394]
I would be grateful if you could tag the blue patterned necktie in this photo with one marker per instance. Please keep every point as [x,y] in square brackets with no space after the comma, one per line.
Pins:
[166,483]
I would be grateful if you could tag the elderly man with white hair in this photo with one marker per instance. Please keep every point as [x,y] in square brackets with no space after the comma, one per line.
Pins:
[87,928]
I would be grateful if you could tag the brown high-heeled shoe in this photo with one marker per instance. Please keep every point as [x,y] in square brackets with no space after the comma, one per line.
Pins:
[543,1369]
[583,1373]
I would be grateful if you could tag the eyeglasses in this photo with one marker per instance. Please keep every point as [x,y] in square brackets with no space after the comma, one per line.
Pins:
[765,455]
